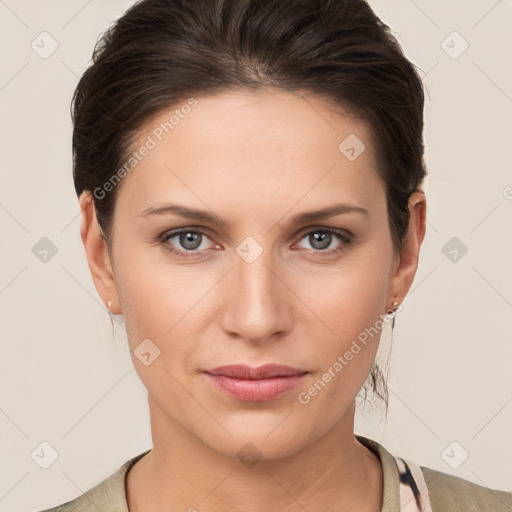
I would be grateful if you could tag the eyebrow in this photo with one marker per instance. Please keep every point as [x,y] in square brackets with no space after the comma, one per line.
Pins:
[211,218]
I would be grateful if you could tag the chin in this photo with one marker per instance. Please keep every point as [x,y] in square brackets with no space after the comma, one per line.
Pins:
[259,442]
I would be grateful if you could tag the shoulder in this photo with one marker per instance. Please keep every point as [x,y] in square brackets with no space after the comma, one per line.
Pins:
[449,493]
[109,494]
[104,493]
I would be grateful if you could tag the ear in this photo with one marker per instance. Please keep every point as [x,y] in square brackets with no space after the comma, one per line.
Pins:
[406,267]
[98,257]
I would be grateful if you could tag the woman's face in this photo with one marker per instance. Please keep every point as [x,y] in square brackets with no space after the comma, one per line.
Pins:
[264,283]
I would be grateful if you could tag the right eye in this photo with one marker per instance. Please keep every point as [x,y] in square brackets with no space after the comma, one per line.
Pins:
[190,241]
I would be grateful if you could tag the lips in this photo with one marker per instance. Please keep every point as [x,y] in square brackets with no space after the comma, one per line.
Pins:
[255,384]
[267,371]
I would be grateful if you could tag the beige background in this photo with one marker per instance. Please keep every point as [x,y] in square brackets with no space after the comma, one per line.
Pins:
[66,380]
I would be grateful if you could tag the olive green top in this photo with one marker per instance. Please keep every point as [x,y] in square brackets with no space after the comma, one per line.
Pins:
[446,493]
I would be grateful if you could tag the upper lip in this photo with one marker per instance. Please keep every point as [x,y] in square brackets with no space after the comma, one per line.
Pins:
[242,371]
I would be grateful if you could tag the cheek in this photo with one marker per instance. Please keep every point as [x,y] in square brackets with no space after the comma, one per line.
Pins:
[345,344]
[156,294]
[344,320]
[348,299]
[158,305]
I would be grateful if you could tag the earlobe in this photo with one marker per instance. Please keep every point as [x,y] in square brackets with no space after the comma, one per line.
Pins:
[98,258]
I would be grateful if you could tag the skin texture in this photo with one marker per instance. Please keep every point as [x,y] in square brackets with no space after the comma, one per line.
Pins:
[256,159]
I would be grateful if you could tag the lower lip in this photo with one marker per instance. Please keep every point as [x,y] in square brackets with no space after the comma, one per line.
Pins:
[259,390]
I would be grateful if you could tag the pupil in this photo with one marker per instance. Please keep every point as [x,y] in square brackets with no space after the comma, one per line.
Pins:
[322,237]
[188,240]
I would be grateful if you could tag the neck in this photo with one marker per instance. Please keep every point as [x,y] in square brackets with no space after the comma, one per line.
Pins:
[182,473]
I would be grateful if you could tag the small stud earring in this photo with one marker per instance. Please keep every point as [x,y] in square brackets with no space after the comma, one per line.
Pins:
[109,304]
[393,308]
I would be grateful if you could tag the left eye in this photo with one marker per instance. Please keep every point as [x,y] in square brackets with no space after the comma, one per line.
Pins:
[321,239]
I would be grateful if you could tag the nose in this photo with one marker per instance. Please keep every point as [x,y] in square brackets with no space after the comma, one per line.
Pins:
[258,303]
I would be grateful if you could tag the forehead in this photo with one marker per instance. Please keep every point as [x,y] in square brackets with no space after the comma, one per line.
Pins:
[254,146]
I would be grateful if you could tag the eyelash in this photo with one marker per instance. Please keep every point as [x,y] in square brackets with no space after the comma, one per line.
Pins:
[343,236]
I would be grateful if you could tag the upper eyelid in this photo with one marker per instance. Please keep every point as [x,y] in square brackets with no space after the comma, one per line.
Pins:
[167,235]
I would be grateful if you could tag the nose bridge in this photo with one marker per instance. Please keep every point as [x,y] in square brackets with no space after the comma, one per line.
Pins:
[256,306]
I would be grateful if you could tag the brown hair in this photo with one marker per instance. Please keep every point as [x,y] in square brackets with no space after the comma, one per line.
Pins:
[161,52]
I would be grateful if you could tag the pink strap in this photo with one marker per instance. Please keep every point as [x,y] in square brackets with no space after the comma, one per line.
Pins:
[413,489]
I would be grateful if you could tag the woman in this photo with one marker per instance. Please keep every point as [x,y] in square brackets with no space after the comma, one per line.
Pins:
[250,180]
